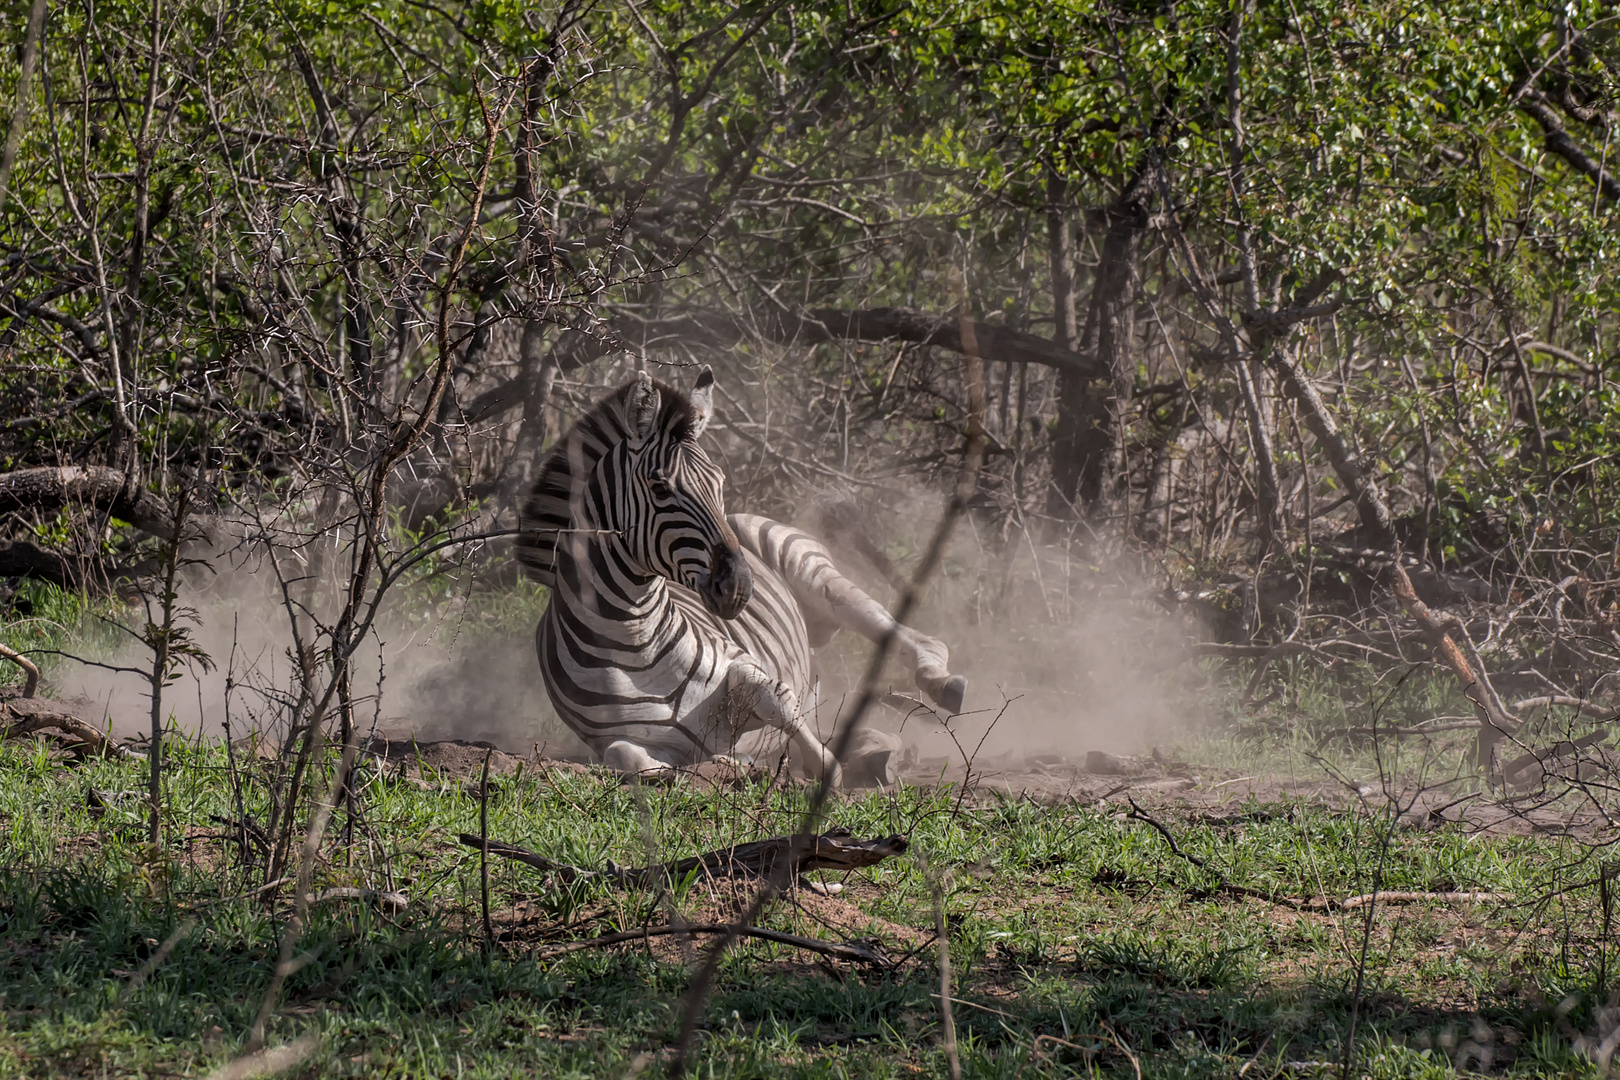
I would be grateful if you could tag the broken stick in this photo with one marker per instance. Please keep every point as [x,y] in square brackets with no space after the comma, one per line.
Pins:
[1384,897]
[1495,723]
[1537,765]
[30,670]
[859,952]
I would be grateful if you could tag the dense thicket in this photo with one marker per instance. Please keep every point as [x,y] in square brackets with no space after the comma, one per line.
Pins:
[1266,288]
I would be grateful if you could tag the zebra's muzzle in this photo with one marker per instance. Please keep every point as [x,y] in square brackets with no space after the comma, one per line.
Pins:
[730,584]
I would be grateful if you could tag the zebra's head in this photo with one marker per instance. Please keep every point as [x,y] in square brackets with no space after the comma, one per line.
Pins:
[671,506]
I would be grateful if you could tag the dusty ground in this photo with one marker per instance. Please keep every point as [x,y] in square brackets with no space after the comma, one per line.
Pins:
[1049,778]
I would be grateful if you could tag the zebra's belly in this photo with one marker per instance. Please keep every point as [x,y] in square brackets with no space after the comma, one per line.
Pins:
[660,701]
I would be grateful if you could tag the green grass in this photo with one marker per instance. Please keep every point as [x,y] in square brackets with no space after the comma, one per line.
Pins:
[1075,936]
[40,619]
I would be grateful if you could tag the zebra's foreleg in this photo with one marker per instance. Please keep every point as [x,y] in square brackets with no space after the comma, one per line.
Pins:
[766,700]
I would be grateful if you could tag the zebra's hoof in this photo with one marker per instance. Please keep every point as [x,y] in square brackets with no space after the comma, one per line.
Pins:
[952,694]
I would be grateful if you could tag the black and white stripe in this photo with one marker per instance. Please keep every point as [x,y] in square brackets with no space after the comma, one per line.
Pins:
[673,631]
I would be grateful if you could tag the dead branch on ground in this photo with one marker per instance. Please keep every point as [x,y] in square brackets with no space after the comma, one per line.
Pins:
[857,952]
[1350,903]
[31,714]
[832,850]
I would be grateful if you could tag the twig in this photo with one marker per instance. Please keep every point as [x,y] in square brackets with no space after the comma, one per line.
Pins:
[967,483]
[268,886]
[1035,1046]
[1564,701]
[946,1020]
[1175,849]
[286,963]
[1136,1065]
[1138,814]
[395,901]
[1428,727]
[982,1008]
[834,849]
[483,850]
[154,961]
[276,1059]
[1247,1065]
[1380,896]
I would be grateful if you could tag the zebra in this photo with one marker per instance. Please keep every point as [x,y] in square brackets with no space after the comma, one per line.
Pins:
[674,633]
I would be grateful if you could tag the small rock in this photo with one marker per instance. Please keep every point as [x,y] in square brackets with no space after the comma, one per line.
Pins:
[1105,764]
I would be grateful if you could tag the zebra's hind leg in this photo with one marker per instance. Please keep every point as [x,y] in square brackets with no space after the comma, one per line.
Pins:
[633,759]
[830,600]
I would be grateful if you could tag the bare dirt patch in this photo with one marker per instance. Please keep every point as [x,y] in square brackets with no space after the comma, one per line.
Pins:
[1212,797]
[1050,778]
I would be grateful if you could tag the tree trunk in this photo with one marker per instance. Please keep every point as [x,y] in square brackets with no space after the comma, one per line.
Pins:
[1086,446]
[1251,375]
[1073,388]
[536,253]
[537,370]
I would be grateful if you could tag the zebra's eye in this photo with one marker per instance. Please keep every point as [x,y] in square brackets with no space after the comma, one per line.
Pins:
[660,486]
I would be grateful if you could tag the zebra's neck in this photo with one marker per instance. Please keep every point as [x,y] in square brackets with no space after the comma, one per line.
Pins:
[609,597]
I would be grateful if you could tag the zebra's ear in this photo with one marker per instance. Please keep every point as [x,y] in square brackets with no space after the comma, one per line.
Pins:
[642,406]
[702,398]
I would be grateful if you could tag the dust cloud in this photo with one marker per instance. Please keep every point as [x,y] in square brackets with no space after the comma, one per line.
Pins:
[1062,655]
[432,670]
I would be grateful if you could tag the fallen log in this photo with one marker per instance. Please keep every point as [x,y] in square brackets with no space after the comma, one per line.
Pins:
[832,850]
[24,716]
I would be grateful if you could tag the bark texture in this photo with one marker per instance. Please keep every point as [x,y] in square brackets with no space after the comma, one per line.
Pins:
[1093,398]
[47,490]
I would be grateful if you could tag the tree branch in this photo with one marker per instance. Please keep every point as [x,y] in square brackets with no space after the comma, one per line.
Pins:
[813,326]
[1558,141]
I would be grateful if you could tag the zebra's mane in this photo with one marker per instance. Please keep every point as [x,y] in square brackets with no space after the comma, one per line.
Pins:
[568,465]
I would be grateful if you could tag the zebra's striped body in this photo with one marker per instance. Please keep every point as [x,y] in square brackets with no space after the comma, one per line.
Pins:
[674,632]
